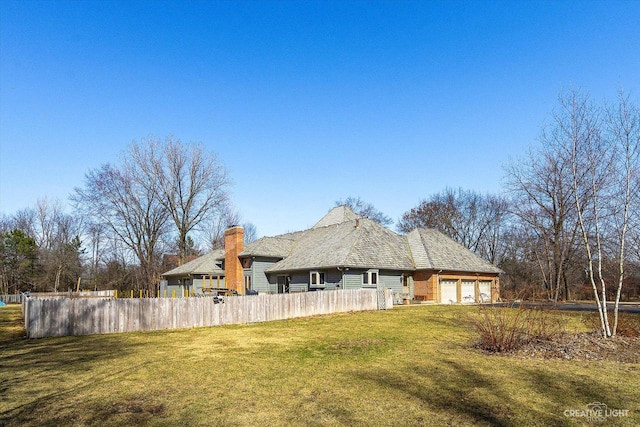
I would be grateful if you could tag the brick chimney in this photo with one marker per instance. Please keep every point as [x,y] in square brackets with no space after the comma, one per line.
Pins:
[233,245]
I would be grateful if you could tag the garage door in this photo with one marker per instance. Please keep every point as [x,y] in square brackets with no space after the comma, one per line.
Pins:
[448,291]
[485,291]
[468,291]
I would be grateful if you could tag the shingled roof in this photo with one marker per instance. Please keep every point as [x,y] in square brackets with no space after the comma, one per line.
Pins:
[337,215]
[272,247]
[356,243]
[344,239]
[433,250]
[206,264]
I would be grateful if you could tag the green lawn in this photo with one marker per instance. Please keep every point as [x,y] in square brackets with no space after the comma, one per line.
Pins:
[407,366]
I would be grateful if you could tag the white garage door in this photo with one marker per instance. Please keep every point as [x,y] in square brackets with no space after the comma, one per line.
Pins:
[485,291]
[448,291]
[468,291]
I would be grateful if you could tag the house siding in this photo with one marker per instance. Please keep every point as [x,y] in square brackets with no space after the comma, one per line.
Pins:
[259,280]
[299,282]
[425,285]
[333,280]
[391,280]
[352,279]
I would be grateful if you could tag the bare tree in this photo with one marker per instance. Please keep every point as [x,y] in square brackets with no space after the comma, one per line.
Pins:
[250,232]
[473,220]
[583,187]
[215,227]
[188,181]
[542,200]
[435,213]
[60,248]
[623,130]
[605,158]
[578,127]
[57,235]
[122,200]
[367,210]
[96,234]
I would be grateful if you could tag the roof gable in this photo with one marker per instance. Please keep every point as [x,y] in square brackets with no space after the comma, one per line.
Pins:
[206,264]
[433,250]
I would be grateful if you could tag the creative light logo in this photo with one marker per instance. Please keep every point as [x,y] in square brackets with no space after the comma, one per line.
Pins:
[596,412]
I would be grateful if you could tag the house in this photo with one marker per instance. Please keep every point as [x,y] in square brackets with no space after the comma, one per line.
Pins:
[203,272]
[343,251]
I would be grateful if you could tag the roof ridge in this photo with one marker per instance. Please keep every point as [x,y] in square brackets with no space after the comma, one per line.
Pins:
[353,245]
[407,245]
[427,251]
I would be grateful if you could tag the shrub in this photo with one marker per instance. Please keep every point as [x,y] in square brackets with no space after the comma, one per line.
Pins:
[503,330]
[628,324]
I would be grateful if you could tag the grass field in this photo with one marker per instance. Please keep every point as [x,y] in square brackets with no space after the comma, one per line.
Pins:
[407,366]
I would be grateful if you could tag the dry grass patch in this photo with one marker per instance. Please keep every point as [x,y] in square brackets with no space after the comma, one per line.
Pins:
[407,366]
[12,325]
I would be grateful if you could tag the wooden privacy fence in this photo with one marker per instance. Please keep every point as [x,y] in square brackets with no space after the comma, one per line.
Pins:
[17,298]
[79,294]
[49,317]
[11,298]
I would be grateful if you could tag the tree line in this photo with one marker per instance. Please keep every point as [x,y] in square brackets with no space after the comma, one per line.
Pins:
[567,223]
[565,226]
[161,198]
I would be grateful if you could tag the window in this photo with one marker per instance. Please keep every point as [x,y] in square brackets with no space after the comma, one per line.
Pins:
[247,283]
[370,278]
[317,279]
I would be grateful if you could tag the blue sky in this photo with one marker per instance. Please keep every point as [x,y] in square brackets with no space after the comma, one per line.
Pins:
[304,102]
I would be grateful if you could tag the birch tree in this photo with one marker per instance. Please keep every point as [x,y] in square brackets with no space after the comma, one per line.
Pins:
[605,162]
[623,122]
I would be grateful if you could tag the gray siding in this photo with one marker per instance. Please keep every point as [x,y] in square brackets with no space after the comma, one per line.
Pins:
[333,280]
[259,280]
[299,282]
[391,280]
[273,283]
[352,279]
